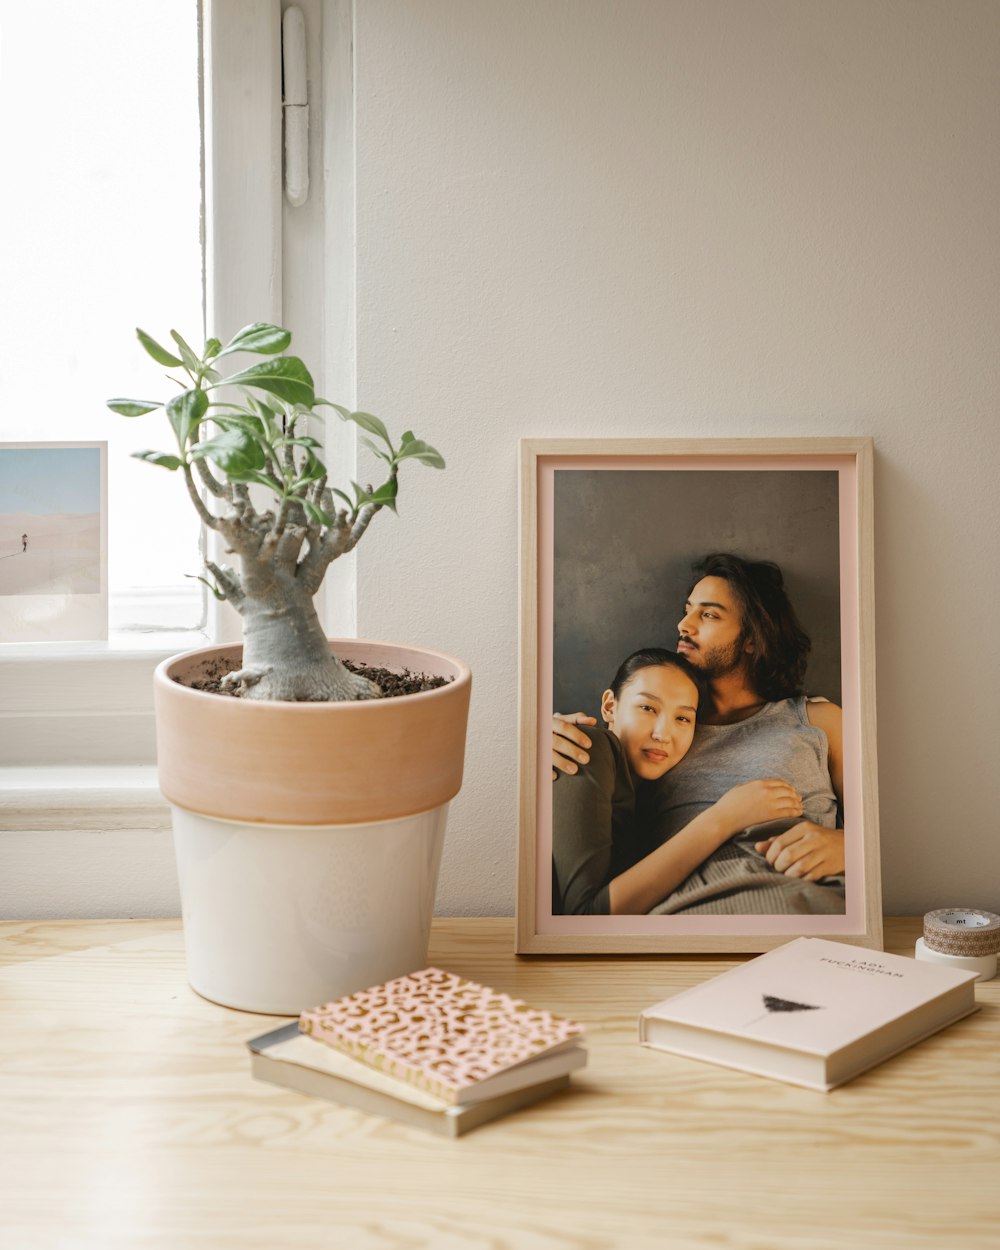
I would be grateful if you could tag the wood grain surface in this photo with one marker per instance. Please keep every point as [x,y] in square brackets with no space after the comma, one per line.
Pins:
[128,1118]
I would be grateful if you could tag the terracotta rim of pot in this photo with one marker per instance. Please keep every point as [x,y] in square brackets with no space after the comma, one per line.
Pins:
[313,763]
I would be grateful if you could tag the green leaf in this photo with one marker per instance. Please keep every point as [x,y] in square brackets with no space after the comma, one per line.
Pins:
[158,457]
[253,426]
[188,357]
[236,453]
[313,469]
[259,337]
[416,449]
[212,349]
[365,419]
[271,418]
[185,412]
[316,514]
[133,407]
[302,440]
[372,424]
[385,496]
[268,417]
[211,585]
[287,377]
[408,436]
[159,354]
[382,455]
[340,495]
[262,479]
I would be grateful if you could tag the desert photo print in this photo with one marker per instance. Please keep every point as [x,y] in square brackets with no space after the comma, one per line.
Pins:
[52,550]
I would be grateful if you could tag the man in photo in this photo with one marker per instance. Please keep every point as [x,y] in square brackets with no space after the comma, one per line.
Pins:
[740,633]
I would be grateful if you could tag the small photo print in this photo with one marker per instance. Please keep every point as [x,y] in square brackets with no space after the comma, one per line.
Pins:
[53,541]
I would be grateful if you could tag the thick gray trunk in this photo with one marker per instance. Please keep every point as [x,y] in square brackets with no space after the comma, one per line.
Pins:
[285,654]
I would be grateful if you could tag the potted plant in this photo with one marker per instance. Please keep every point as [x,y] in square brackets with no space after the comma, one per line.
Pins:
[308,805]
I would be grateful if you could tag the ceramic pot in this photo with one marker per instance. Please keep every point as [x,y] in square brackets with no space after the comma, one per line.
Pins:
[308,835]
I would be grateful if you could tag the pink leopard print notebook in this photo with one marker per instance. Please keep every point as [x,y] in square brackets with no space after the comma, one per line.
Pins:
[439,1032]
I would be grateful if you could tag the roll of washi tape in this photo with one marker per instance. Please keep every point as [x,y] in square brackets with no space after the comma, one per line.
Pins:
[962,931]
[984,966]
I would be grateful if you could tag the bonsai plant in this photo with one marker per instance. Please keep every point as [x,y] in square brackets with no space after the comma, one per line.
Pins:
[252,435]
[308,811]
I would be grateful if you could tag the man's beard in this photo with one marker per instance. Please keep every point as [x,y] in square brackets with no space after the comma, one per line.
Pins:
[720,661]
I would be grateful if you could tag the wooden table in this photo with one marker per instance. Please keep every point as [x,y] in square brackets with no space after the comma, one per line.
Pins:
[128,1118]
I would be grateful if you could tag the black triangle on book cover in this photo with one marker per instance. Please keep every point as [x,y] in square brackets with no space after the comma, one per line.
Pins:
[784,1004]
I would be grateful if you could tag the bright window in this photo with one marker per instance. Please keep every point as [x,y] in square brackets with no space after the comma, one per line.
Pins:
[100,222]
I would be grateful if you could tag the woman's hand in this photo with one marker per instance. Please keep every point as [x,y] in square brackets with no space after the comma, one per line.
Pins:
[756,802]
[807,851]
[569,744]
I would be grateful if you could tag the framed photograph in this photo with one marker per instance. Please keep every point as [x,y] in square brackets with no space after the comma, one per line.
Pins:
[697,696]
[53,542]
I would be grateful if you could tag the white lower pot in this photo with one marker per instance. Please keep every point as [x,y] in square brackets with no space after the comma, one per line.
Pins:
[308,835]
[280,917]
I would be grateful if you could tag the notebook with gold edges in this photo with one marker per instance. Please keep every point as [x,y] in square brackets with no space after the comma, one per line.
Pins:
[451,1037]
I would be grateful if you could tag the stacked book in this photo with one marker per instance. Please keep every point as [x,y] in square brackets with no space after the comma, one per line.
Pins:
[430,1049]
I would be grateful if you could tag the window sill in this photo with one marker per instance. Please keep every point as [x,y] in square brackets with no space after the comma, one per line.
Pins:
[121,644]
[81,797]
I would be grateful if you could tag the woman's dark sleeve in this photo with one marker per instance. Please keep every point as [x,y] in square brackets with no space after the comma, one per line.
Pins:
[582,830]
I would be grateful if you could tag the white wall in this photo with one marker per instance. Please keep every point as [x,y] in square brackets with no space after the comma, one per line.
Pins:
[693,217]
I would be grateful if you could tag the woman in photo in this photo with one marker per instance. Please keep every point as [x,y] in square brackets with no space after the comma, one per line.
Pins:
[601,836]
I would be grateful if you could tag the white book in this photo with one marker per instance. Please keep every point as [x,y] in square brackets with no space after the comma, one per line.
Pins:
[812,1012]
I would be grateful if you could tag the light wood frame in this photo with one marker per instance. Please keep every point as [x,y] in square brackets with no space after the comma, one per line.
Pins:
[538,931]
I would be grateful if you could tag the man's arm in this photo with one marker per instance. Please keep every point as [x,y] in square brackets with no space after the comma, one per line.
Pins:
[810,850]
[829,718]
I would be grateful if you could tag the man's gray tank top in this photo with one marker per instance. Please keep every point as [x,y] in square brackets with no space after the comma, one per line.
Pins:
[777,741]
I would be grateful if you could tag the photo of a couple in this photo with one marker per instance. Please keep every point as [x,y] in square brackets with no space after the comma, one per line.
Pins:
[714,785]
[698,768]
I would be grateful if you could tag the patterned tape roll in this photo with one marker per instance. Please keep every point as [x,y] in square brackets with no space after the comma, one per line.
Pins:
[962,931]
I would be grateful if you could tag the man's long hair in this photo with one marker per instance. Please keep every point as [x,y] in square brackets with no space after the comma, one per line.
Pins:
[776,666]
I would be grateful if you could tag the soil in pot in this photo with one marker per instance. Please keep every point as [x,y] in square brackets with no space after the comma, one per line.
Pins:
[210,676]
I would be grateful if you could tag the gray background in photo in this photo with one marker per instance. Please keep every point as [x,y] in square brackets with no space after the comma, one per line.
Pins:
[624,544]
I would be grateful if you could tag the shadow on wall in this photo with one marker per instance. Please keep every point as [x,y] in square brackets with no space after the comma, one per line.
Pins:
[624,544]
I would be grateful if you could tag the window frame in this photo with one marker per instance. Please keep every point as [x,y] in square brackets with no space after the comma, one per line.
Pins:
[90,703]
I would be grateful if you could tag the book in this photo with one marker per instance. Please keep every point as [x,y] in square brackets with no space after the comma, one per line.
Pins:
[288,1057]
[450,1037]
[812,1012]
